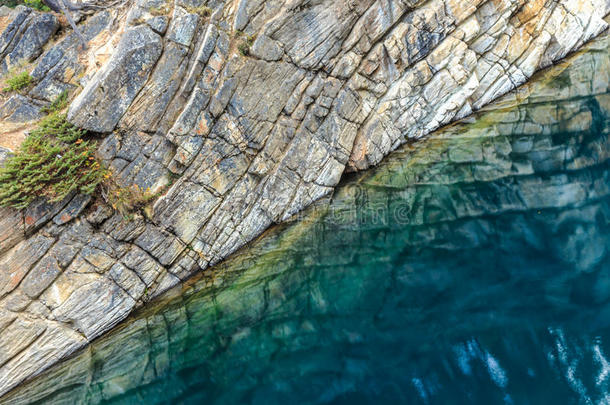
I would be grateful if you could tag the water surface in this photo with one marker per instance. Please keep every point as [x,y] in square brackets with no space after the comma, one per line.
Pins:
[473,267]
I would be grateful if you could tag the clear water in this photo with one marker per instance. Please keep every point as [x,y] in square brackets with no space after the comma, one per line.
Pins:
[473,267]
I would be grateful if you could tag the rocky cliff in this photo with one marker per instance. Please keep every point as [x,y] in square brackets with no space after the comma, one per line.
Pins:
[239,114]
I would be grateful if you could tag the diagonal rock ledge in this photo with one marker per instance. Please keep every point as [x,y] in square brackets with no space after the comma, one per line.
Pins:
[236,143]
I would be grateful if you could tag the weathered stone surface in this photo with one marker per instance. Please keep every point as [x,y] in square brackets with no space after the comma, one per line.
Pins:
[182,29]
[72,210]
[112,304]
[13,29]
[158,24]
[4,154]
[59,68]
[109,94]
[17,263]
[19,109]
[36,29]
[18,336]
[40,212]
[234,144]
[154,98]
[11,229]
[41,276]
[267,49]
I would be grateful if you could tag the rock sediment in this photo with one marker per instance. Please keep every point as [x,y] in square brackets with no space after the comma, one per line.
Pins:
[235,143]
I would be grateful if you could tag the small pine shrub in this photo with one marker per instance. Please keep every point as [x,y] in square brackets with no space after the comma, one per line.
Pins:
[245,44]
[244,49]
[17,82]
[58,104]
[52,162]
[36,4]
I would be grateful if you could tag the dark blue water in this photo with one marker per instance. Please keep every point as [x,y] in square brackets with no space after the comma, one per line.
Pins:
[473,267]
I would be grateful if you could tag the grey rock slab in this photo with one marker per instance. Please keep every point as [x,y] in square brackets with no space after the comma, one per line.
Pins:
[15,264]
[19,109]
[158,24]
[266,48]
[41,276]
[18,336]
[41,211]
[182,29]
[241,16]
[72,210]
[111,91]
[10,32]
[42,352]
[11,228]
[127,280]
[154,98]
[4,154]
[98,304]
[41,26]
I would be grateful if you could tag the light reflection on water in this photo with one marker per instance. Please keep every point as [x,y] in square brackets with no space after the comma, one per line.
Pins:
[470,268]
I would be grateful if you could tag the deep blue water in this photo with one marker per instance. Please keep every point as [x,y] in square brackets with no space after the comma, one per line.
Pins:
[473,267]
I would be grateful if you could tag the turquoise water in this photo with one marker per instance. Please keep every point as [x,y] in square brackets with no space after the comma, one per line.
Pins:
[473,267]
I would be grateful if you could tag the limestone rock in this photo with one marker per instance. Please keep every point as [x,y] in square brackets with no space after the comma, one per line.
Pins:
[11,229]
[36,29]
[109,94]
[267,49]
[19,109]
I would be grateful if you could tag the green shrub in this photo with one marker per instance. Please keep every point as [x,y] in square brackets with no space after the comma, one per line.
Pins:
[58,104]
[245,44]
[52,162]
[17,82]
[35,4]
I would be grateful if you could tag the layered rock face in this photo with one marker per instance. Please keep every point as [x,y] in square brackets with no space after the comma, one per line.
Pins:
[240,113]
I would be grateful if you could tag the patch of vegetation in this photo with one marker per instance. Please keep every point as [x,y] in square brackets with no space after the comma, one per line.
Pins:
[246,43]
[53,161]
[17,81]
[138,21]
[58,104]
[35,4]
[126,200]
[162,10]
[202,11]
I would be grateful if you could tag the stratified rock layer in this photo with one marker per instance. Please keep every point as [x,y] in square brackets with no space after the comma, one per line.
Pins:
[236,143]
